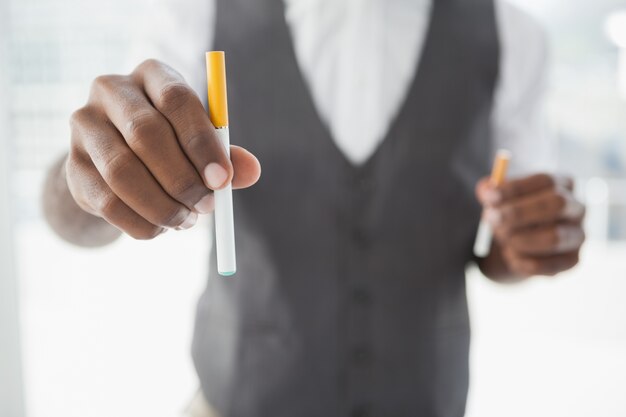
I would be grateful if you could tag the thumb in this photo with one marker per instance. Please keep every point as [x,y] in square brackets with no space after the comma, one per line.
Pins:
[486,193]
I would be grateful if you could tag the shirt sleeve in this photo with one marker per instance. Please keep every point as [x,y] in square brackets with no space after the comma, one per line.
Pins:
[178,33]
[517,122]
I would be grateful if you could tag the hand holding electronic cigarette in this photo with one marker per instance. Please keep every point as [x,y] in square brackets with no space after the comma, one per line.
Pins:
[218,110]
[536,223]
[145,156]
[484,236]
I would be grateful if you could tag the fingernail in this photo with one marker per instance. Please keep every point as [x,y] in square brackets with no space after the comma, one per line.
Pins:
[563,238]
[206,204]
[189,221]
[493,216]
[569,238]
[215,176]
[572,209]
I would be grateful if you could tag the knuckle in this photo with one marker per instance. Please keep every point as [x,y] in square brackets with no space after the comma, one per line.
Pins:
[76,155]
[560,201]
[174,95]
[568,182]
[196,140]
[100,82]
[77,118]
[108,206]
[183,187]
[143,126]
[548,179]
[542,205]
[149,63]
[563,182]
[117,166]
[75,178]
[81,117]
[74,163]
[104,84]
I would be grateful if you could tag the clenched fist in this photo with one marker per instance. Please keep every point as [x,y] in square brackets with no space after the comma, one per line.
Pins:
[144,154]
[537,225]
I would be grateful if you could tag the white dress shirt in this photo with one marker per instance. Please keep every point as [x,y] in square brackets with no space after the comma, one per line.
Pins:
[359,57]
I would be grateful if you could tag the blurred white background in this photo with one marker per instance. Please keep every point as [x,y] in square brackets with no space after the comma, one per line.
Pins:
[107,332]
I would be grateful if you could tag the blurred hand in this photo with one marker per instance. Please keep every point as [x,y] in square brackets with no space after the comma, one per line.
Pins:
[145,156]
[537,223]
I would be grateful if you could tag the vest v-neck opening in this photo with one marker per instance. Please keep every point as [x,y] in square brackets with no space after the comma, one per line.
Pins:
[400,111]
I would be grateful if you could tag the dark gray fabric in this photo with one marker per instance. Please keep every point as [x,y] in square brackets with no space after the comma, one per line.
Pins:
[350,295]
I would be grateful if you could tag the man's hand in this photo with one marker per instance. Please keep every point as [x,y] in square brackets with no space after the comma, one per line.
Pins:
[145,156]
[537,226]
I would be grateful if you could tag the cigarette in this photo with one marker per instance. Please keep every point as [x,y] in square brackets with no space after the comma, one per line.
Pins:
[218,112]
[484,236]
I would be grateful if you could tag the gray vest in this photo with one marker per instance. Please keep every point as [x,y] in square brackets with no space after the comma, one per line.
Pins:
[350,294]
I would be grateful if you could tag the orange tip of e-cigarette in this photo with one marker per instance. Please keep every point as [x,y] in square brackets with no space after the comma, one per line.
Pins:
[500,166]
[216,86]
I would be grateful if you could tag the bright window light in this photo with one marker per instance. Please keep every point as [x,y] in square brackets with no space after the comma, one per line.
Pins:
[616,28]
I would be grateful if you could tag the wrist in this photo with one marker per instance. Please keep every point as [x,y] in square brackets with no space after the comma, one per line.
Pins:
[66,218]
